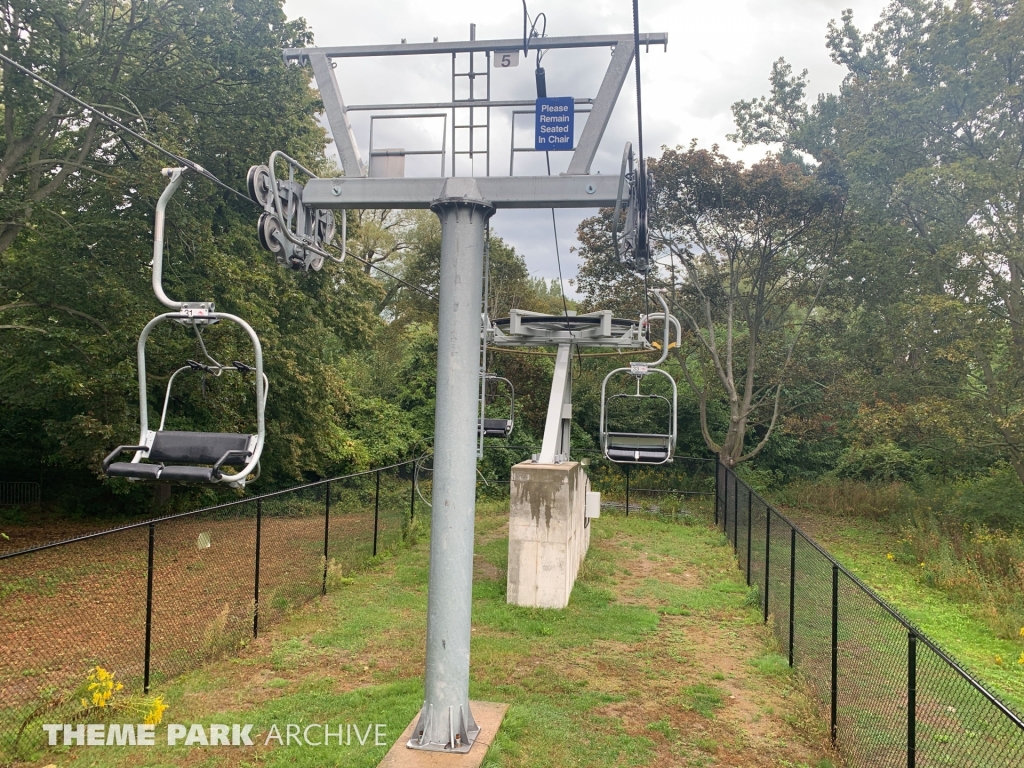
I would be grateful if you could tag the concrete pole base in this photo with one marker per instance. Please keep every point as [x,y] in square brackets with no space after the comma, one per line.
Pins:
[488,716]
[548,532]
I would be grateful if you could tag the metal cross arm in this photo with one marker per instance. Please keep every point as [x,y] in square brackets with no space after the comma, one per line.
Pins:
[623,46]
[475,46]
[500,191]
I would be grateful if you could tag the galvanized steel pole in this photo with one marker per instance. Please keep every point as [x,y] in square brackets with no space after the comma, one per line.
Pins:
[445,722]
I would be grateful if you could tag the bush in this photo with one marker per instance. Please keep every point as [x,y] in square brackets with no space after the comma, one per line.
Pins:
[995,500]
[885,463]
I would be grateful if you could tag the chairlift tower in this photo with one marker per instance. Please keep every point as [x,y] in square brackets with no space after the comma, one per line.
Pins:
[464,204]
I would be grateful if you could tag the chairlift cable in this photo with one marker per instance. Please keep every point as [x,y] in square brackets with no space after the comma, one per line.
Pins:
[190,164]
[642,165]
[558,259]
[184,161]
[642,170]
[406,283]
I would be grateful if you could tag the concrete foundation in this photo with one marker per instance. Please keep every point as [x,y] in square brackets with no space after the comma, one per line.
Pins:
[548,534]
[488,716]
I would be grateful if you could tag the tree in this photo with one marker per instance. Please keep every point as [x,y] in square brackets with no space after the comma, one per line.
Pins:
[149,64]
[929,129]
[76,283]
[753,247]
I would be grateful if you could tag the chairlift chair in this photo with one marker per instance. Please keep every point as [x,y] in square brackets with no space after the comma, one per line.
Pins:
[499,427]
[638,447]
[180,456]
[643,447]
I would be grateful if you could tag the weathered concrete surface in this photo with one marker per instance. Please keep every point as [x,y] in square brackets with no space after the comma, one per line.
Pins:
[547,538]
[488,716]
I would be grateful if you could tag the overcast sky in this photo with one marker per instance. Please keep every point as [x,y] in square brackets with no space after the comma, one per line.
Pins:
[718,52]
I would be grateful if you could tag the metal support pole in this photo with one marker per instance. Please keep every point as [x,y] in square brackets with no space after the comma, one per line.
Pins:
[149,609]
[792,587]
[327,528]
[835,648]
[376,510]
[445,722]
[256,585]
[557,422]
[911,700]
[767,556]
[750,528]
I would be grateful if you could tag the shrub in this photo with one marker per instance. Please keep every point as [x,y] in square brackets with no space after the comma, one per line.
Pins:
[885,463]
[995,500]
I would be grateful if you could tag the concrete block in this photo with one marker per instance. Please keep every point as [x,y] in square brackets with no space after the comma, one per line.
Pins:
[548,532]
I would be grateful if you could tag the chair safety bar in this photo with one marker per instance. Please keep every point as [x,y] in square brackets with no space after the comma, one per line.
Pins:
[261,394]
[656,439]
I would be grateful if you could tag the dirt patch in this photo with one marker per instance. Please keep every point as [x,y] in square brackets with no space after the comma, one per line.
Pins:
[83,604]
[486,571]
[754,720]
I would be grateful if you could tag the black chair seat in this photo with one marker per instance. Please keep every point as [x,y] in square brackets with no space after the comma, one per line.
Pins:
[173,457]
[137,471]
[497,427]
[642,455]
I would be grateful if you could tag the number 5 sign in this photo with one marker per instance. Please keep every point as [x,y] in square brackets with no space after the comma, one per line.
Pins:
[506,59]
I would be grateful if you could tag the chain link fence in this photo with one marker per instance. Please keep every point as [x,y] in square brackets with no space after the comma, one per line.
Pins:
[152,600]
[892,697]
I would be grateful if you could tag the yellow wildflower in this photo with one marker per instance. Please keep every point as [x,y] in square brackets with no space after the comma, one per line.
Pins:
[1021,659]
[156,712]
[1022,631]
[999,659]
[890,557]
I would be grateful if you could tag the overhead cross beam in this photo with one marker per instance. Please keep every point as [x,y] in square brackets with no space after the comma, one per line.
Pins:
[590,138]
[499,191]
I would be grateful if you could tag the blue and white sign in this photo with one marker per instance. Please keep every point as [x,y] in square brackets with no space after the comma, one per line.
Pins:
[554,123]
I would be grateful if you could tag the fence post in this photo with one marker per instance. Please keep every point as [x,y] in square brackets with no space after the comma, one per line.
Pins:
[767,555]
[376,510]
[792,587]
[725,502]
[327,528]
[750,528]
[149,609]
[412,495]
[718,485]
[835,647]
[736,513]
[627,491]
[256,583]
[911,699]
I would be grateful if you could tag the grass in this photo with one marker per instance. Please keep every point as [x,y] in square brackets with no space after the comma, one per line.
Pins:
[857,528]
[657,660]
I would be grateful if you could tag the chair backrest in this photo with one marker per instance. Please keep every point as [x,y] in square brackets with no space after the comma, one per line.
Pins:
[199,447]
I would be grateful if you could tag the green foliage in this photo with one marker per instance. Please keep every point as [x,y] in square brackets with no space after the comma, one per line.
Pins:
[924,306]
[995,500]
[74,284]
[885,463]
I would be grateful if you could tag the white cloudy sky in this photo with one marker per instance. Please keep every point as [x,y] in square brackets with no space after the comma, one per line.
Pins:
[718,52]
